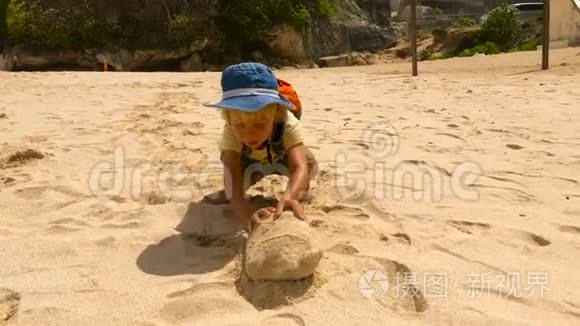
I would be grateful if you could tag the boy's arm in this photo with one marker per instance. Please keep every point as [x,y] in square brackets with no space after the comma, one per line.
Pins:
[298,183]
[299,174]
[233,185]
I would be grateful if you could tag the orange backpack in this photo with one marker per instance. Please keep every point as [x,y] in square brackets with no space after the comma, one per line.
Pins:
[288,92]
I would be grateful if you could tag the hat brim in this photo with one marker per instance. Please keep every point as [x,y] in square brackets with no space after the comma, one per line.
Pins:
[250,103]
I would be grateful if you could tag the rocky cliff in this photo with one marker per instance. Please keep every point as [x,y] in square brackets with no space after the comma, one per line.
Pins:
[186,35]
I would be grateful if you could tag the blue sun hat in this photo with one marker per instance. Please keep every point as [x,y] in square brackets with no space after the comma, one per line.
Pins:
[249,87]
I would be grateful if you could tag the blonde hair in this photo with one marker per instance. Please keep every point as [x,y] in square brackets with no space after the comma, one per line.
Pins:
[272,111]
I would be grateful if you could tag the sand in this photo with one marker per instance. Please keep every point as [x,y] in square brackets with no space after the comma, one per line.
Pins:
[101,177]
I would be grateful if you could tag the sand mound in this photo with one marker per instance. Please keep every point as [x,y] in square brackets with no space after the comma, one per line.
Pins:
[285,249]
[275,294]
[9,301]
[15,158]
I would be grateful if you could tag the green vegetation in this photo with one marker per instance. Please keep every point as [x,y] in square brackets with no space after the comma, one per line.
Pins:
[327,7]
[502,27]
[3,9]
[485,48]
[243,20]
[27,22]
[501,32]
[466,22]
[181,29]
[240,22]
[530,45]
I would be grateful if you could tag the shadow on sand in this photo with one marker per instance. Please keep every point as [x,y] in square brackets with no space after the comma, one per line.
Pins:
[209,238]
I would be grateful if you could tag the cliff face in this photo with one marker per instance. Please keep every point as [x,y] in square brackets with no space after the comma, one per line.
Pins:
[134,35]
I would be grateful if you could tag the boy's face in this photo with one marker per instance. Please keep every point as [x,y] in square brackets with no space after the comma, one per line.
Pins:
[254,132]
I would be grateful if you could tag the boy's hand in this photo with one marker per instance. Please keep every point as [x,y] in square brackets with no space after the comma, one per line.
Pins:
[259,215]
[288,202]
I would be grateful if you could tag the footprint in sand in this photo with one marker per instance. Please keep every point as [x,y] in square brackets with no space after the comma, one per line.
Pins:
[514,146]
[9,303]
[343,248]
[204,302]
[345,213]
[570,229]
[499,234]
[56,192]
[285,319]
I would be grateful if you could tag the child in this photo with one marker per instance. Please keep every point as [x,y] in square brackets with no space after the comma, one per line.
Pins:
[260,137]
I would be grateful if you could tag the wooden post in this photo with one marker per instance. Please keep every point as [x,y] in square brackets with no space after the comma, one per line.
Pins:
[413,35]
[546,37]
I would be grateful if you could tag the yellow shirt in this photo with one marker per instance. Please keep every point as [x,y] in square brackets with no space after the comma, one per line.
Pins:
[292,136]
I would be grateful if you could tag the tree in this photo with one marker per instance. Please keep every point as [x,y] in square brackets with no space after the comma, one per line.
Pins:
[502,27]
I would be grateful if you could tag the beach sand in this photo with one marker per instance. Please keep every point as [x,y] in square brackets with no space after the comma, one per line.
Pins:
[452,198]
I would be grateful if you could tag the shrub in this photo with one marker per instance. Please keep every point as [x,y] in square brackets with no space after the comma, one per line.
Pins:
[326,7]
[16,19]
[486,48]
[180,29]
[502,27]
[27,22]
[466,22]
[530,45]
[242,20]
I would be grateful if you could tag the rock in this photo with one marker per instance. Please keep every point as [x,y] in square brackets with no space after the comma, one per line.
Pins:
[285,41]
[335,61]
[359,61]
[257,56]
[193,63]
[399,29]
[368,37]
[145,60]
[6,62]
[373,59]
[285,249]
[29,58]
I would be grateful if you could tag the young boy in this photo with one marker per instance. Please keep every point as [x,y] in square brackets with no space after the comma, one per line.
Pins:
[260,137]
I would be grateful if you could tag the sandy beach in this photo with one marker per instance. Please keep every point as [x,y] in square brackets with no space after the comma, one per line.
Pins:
[451,198]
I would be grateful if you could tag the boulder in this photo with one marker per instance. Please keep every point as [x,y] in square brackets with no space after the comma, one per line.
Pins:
[335,61]
[285,249]
[286,42]
[31,58]
[145,60]
[192,63]
[6,62]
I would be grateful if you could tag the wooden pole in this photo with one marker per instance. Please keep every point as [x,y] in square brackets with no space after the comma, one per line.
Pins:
[546,37]
[413,35]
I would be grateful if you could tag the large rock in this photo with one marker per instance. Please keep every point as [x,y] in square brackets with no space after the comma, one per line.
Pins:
[6,62]
[192,63]
[145,60]
[286,42]
[335,61]
[285,249]
[30,58]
